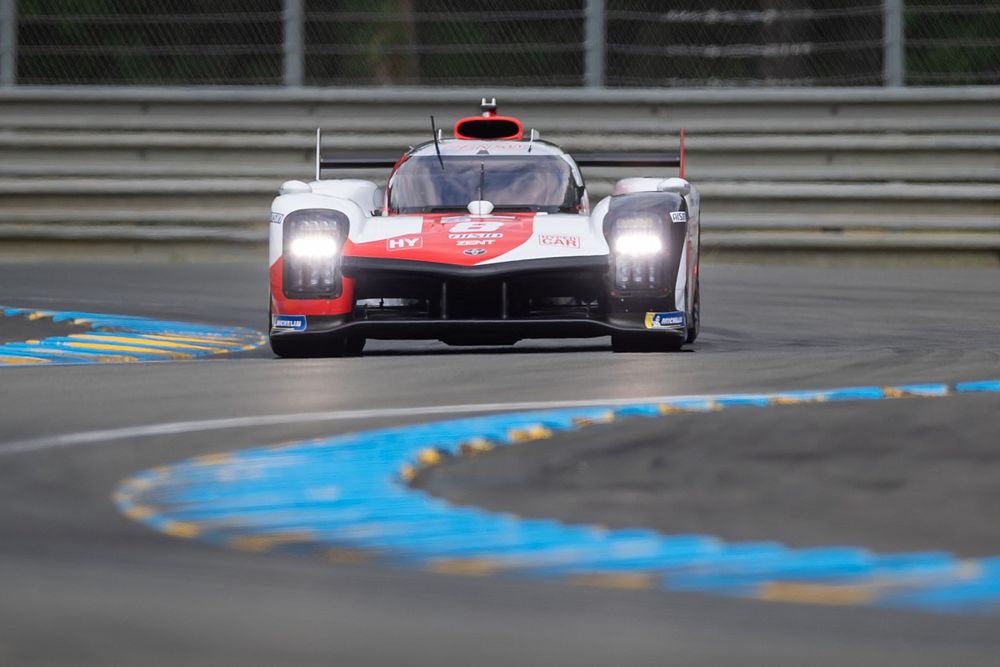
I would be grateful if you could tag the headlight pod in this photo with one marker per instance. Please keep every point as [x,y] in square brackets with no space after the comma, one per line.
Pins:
[312,240]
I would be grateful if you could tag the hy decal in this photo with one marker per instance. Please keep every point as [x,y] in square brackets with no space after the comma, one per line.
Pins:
[404,243]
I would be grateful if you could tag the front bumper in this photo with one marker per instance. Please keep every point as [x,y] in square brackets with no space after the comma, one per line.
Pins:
[500,303]
[513,329]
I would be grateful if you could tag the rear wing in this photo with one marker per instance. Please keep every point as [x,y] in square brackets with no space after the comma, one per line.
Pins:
[634,159]
[359,161]
[627,159]
[581,159]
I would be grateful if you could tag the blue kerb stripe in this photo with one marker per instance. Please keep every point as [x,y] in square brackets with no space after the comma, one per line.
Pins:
[973,387]
[142,331]
[346,491]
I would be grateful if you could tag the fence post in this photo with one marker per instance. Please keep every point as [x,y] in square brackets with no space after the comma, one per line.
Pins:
[294,43]
[894,58]
[593,44]
[8,43]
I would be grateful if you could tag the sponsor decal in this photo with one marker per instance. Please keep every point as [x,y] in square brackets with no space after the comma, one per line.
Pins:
[276,218]
[559,240]
[404,243]
[290,322]
[678,216]
[672,320]
[473,252]
[475,242]
[476,226]
[477,235]
[457,219]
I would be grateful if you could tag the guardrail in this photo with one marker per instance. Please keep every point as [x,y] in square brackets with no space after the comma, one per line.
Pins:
[817,168]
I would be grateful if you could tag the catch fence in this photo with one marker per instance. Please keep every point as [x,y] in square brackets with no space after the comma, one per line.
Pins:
[528,43]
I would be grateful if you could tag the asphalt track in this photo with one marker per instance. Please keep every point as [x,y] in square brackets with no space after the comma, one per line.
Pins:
[82,585]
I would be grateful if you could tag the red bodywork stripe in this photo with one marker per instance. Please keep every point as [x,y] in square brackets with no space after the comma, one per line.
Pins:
[281,305]
[452,238]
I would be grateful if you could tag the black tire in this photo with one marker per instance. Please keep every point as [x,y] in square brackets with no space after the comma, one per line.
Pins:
[302,347]
[695,314]
[354,345]
[644,342]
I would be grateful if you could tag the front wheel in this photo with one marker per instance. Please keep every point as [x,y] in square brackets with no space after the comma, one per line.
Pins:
[307,346]
[695,314]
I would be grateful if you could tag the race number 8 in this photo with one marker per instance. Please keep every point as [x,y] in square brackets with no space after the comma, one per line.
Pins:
[475,226]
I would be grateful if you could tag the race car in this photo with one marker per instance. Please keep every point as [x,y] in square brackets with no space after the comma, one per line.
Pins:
[486,238]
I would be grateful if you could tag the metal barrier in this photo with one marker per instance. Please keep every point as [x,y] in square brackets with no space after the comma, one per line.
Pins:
[826,168]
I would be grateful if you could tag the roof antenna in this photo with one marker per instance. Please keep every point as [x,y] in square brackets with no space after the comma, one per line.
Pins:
[488,109]
[437,146]
[482,179]
[319,159]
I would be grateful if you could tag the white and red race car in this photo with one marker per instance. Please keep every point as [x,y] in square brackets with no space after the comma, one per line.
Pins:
[484,239]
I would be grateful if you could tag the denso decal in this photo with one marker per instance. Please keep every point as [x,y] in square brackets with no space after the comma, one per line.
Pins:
[477,235]
[672,320]
[559,240]
[290,322]
[404,243]
[276,218]
[678,216]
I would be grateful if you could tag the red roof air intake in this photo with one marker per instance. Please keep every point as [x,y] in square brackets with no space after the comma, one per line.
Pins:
[489,125]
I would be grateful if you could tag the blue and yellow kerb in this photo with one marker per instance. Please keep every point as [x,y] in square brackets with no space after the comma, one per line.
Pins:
[122,338]
[347,498]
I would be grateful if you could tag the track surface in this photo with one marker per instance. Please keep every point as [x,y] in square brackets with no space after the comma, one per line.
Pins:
[82,585]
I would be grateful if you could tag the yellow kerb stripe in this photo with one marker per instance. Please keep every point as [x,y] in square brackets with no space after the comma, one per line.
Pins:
[22,360]
[206,340]
[142,341]
[624,580]
[816,593]
[128,348]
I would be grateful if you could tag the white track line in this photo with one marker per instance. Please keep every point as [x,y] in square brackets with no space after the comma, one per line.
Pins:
[180,427]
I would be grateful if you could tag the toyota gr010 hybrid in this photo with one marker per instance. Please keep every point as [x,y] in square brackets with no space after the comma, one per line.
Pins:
[485,238]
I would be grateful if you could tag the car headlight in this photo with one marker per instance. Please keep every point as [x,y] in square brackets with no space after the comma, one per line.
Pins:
[314,246]
[638,248]
[313,239]
[638,244]
[638,236]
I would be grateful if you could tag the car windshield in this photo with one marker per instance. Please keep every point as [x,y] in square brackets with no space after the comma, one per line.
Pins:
[541,183]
